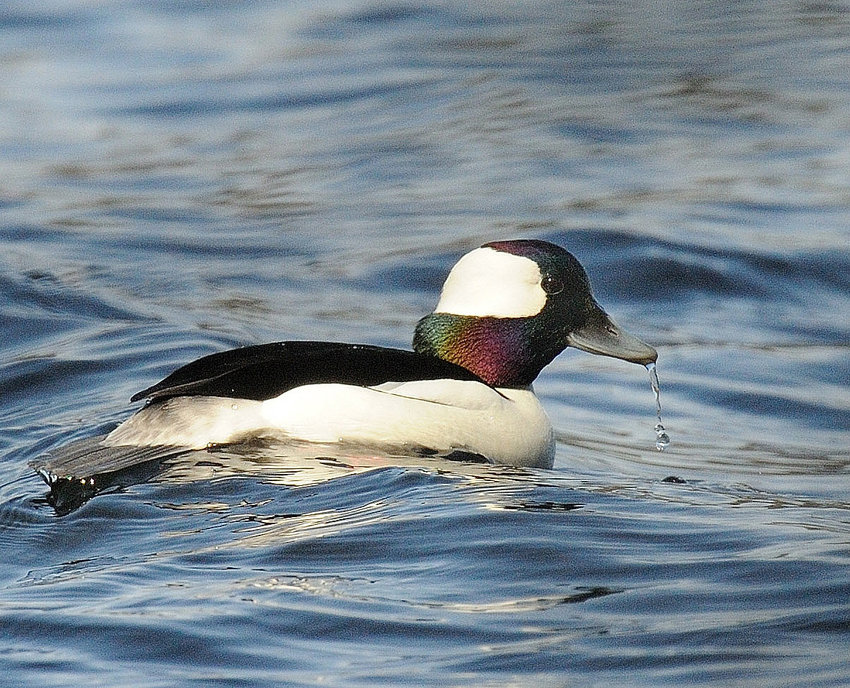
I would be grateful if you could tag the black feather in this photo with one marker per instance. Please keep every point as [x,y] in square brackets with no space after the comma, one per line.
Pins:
[268,370]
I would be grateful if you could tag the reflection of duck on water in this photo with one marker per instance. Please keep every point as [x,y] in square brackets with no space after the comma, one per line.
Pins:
[506,310]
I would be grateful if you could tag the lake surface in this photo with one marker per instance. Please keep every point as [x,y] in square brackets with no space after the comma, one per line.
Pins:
[178,178]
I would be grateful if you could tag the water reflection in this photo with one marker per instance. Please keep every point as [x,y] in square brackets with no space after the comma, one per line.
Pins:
[286,464]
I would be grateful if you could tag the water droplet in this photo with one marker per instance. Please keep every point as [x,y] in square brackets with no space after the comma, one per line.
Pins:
[662,439]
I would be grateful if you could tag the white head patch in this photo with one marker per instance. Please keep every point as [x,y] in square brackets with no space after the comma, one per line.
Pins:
[487,282]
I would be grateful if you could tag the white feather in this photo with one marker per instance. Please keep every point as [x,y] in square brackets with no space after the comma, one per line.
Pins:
[506,426]
[486,282]
[192,422]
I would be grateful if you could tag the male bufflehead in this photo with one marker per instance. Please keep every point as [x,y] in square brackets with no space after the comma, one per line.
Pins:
[505,311]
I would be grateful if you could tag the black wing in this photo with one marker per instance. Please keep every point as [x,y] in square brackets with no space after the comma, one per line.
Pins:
[268,370]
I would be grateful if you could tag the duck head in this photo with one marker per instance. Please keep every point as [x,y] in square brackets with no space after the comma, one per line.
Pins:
[508,308]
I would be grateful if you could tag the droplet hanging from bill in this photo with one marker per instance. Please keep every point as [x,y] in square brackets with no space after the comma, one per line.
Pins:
[662,439]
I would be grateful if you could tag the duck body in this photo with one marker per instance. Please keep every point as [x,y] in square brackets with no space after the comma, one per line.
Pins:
[441,416]
[506,310]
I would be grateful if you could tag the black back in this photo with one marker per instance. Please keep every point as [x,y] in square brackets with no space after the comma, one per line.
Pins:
[268,370]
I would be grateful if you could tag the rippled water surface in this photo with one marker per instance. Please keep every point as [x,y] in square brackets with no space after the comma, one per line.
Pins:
[178,178]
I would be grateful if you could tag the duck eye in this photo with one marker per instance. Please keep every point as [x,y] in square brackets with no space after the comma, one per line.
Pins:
[551,284]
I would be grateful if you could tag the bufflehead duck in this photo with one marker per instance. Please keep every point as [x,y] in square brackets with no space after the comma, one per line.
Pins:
[505,311]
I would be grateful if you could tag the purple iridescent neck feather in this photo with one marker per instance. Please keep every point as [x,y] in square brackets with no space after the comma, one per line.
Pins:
[501,351]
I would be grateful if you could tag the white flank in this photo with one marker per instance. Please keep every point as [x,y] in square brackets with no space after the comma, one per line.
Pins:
[507,426]
[487,282]
[193,422]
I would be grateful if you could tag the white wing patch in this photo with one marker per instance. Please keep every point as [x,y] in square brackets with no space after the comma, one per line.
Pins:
[487,282]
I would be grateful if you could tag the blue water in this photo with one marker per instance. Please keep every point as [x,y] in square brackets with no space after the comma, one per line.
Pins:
[178,178]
